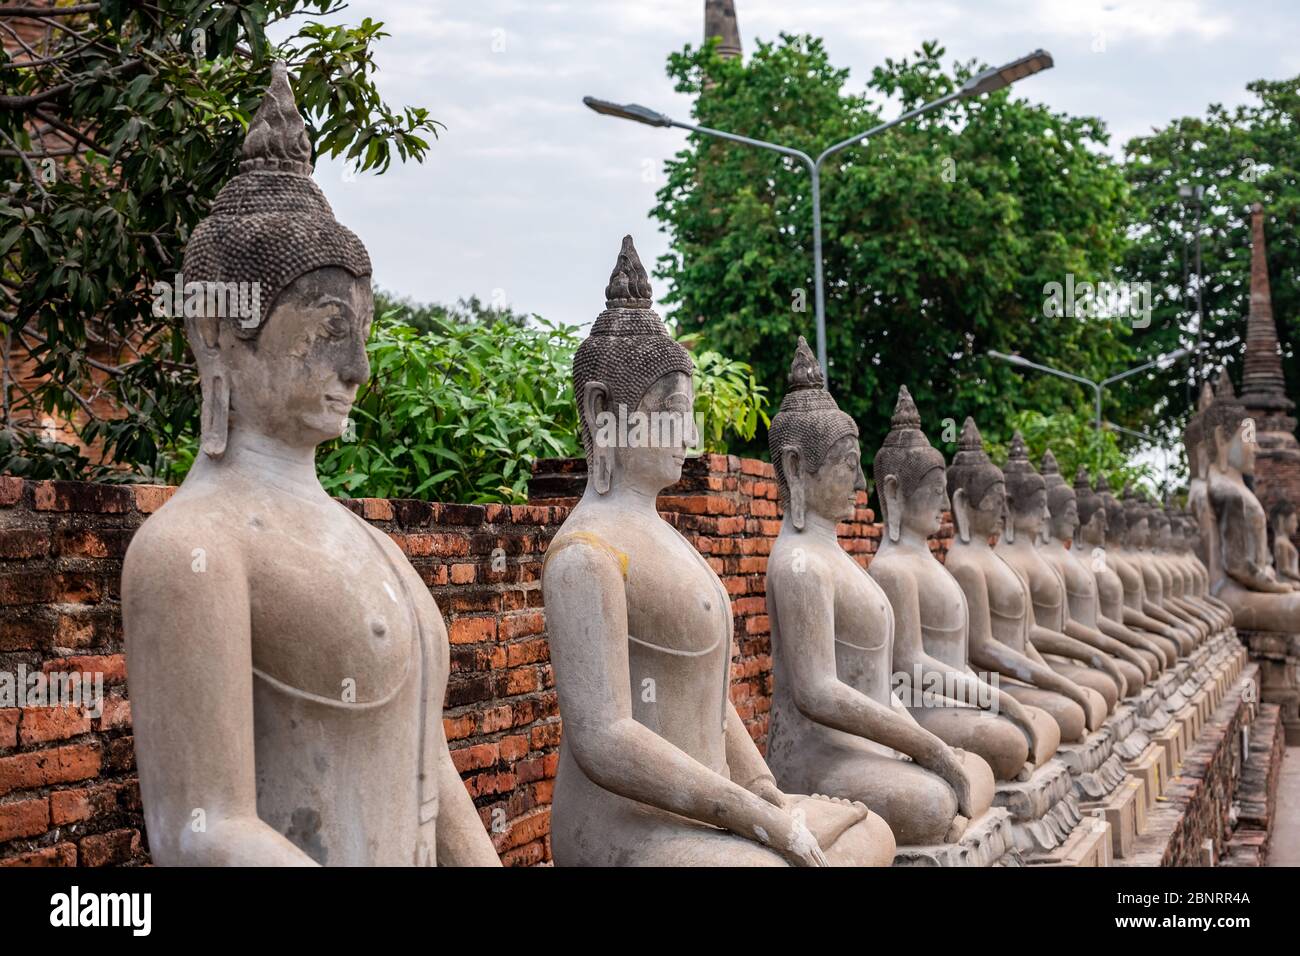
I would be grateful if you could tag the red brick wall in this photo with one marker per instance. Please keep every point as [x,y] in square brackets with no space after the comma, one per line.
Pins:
[68,791]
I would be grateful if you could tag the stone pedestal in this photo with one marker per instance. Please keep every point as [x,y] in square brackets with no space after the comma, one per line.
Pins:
[1046,824]
[1278,656]
[988,841]
[1099,780]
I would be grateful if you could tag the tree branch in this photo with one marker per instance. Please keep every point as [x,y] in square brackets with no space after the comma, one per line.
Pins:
[43,12]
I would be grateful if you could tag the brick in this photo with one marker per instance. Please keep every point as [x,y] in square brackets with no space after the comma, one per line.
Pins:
[23,543]
[28,587]
[116,715]
[9,727]
[463,573]
[458,728]
[111,666]
[121,755]
[41,725]
[149,498]
[105,849]
[471,630]
[528,652]
[24,818]
[11,491]
[77,806]
[524,624]
[376,509]
[545,735]
[61,854]
[41,768]
[513,747]
[82,497]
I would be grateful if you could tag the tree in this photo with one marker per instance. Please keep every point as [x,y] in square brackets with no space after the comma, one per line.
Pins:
[118,129]
[1239,157]
[940,236]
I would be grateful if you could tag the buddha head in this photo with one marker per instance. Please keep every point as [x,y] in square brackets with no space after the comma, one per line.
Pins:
[1116,518]
[814,447]
[1282,519]
[1159,527]
[1228,431]
[1026,493]
[1194,435]
[1062,506]
[909,474]
[1136,517]
[1091,510]
[977,488]
[279,326]
[632,382]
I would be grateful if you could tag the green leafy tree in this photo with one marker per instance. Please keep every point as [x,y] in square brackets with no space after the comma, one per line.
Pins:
[116,134]
[425,316]
[1074,441]
[1237,157]
[940,236]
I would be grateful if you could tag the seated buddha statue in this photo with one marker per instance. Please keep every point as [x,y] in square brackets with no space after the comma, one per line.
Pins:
[287,665]
[1139,612]
[1248,583]
[931,620]
[1286,560]
[1001,609]
[1026,502]
[1142,525]
[836,725]
[1113,616]
[1080,617]
[656,767]
[1180,582]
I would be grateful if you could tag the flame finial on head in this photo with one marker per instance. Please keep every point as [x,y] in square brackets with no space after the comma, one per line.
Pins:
[629,286]
[804,370]
[277,137]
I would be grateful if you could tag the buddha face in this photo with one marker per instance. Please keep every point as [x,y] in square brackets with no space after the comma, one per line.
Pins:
[1240,453]
[989,516]
[297,380]
[650,450]
[1065,522]
[1030,514]
[1094,531]
[832,490]
[924,505]
[1139,532]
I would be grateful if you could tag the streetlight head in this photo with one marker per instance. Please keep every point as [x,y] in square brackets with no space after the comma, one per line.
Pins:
[628,111]
[1002,76]
[1175,355]
[1013,359]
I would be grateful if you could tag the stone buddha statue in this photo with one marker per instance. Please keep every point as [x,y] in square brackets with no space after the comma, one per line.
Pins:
[1064,551]
[1002,623]
[1142,525]
[656,767]
[930,616]
[1286,560]
[1081,618]
[1248,583]
[287,665]
[1180,581]
[1139,610]
[1113,617]
[837,726]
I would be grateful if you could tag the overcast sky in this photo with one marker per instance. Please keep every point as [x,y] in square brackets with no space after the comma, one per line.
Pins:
[526,195]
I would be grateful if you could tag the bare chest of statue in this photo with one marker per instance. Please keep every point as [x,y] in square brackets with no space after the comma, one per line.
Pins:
[864,629]
[1009,602]
[1080,586]
[944,623]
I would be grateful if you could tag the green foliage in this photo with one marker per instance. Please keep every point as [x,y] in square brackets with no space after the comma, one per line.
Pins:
[1074,441]
[1241,156]
[939,235]
[150,101]
[460,412]
[425,316]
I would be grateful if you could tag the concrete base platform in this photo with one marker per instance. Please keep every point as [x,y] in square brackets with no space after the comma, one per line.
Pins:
[1146,768]
[1122,809]
[1088,844]
[988,841]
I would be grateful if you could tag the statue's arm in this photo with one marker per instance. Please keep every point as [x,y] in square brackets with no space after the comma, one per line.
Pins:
[805,606]
[1063,645]
[459,833]
[586,619]
[188,649]
[1098,638]
[1133,639]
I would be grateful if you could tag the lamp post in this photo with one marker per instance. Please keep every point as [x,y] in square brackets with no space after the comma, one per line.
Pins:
[1097,387]
[986,82]
[1195,193]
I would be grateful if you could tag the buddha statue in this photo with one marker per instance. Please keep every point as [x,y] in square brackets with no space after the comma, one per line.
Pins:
[1183,535]
[1127,564]
[287,665]
[1080,616]
[1001,611]
[1143,525]
[1248,583]
[1112,616]
[931,621]
[837,727]
[1286,560]
[656,767]
[1180,582]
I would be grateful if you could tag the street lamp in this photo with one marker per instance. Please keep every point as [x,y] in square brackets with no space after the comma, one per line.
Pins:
[1097,387]
[986,82]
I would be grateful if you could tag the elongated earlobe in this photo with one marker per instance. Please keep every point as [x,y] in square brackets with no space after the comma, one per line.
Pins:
[215,417]
[595,397]
[1008,525]
[798,503]
[891,501]
[961,515]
